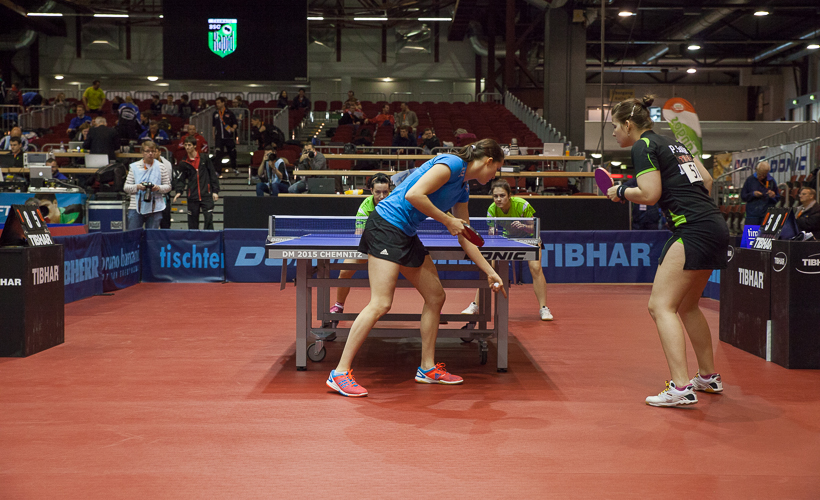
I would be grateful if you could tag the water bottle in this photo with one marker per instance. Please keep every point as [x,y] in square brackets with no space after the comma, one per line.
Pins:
[62,147]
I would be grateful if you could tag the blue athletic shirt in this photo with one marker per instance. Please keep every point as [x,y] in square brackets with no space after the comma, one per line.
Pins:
[402,214]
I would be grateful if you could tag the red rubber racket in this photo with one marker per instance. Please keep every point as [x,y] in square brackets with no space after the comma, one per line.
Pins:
[470,234]
[603,179]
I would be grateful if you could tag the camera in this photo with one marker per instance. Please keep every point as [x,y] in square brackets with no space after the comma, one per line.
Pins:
[148,196]
[310,154]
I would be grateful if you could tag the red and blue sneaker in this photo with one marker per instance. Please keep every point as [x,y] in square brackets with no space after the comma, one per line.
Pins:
[437,375]
[345,384]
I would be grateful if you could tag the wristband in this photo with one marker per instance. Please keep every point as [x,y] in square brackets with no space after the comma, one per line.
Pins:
[621,191]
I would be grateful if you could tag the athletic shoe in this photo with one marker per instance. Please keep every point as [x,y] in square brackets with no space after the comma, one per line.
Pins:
[437,375]
[471,309]
[712,383]
[345,384]
[545,313]
[672,396]
[336,309]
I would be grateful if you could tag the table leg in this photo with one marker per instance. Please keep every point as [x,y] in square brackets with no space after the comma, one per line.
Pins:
[502,310]
[302,312]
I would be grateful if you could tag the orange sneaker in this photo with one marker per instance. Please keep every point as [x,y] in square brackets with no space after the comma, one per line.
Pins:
[437,375]
[345,384]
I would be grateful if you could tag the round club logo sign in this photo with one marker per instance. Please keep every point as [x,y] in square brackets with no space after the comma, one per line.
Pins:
[222,36]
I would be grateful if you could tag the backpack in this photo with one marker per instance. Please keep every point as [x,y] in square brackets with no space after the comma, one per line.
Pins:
[109,178]
[350,149]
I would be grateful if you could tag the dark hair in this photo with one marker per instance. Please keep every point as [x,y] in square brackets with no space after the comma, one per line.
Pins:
[184,96]
[220,99]
[256,116]
[51,160]
[190,140]
[14,138]
[95,81]
[636,111]
[501,183]
[379,178]
[302,89]
[47,197]
[485,148]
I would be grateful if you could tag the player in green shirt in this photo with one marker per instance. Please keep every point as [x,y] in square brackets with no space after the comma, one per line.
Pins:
[380,187]
[94,98]
[506,205]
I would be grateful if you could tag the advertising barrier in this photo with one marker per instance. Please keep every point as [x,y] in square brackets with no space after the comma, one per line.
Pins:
[181,256]
[69,206]
[82,256]
[120,262]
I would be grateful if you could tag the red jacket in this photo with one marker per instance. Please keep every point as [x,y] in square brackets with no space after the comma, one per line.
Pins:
[201,143]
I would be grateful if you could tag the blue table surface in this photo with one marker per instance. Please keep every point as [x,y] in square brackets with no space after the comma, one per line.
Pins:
[325,241]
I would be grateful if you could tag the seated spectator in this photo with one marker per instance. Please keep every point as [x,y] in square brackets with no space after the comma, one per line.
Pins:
[169,108]
[282,101]
[128,124]
[185,107]
[202,105]
[82,132]
[190,131]
[310,160]
[60,99]
[156,105]
[145,120]
[351,99]
[116,102]
[406,117]
[429,141]
[358,114]
[78,120]
[238,102]
[264,134]
[154,134]
[385,117]
[15,145]
[274,177]
[403,140]
[347,116]
[16,132]
[301,101]
[808,212]
[55,172]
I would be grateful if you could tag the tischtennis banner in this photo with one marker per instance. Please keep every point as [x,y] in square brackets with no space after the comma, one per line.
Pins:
[181,256]
[82,265]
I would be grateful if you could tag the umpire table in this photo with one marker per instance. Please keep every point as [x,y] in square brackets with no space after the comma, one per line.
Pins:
[319,245]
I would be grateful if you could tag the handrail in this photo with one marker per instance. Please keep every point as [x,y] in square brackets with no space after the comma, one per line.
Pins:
[405,94]
[481,97]
[469,96]
[441,96]
[370,96]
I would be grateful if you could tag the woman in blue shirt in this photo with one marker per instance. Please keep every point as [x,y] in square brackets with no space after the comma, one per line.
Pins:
[391,241]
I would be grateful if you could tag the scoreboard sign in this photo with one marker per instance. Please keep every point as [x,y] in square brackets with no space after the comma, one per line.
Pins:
[25,226]
[779,224]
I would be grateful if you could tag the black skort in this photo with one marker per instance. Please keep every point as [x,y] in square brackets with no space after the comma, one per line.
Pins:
[383,240]
[704,242]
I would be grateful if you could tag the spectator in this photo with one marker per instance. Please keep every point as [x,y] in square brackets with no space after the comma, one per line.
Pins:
[429,141]
[201,106]
[94,98]
[274,177]
[310,160]
[385,117]
[405,117]
[145,120]
[347,115]
[102,139]
[358,114]
[185,107]
[17,132]
[154,134]
[60,99]
[116,102]
[238,102]
[148,179]
[16,148]
[351,99]
[169,108]
[156,105]
[263,134]
[55,172]
[13,94]
[201,143]
[282,102]
[760,193]
[32,99]
[82,132]
[78,120]
[301,101]
[198,179]
[463,137]
[808,212]
[403,140]
[128,125]
[224,124]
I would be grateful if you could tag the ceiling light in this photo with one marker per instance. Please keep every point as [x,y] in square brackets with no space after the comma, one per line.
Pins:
[596,155]
[153,78]
[58,77]
[811,97]
[111,15]
[623,167]
[44,14]
[100,42]
[435,19]
[316,18]
[705,156]
[691,70]
[694,46]
[387,79]
[761,13]
[615,163]
[626,13]
[813,46]
[794,101]
[370,19]
[161,16]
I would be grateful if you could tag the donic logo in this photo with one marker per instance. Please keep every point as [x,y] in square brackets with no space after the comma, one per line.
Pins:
[222,36]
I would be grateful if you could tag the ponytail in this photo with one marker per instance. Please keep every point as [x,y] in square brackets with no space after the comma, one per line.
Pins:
[485,148]
[636,111]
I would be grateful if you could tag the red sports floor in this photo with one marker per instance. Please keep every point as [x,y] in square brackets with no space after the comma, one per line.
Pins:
[190,391]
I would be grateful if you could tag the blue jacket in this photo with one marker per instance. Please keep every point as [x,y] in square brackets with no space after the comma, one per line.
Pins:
[757,206]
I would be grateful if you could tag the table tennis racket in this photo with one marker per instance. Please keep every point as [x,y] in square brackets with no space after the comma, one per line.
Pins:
[603,179]
[470,234]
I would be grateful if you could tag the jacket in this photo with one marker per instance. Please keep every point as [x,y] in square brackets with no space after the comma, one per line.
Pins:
[809,220]
[197,183]
[757,206]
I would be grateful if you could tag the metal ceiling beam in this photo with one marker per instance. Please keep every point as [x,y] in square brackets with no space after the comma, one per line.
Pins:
[699,42]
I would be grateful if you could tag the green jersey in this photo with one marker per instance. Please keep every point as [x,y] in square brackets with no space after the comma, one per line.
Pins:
[519,208]
[367,206]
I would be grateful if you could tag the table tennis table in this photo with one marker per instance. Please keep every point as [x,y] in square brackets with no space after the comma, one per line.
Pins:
[315,243]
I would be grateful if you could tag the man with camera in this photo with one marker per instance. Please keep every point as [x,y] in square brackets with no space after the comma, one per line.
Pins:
[148,180]
[274,177]
[310,160]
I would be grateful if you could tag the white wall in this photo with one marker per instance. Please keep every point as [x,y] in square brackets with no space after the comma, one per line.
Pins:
[712,102]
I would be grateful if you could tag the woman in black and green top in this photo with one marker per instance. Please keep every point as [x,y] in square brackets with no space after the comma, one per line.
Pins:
[506,205]
[669,175]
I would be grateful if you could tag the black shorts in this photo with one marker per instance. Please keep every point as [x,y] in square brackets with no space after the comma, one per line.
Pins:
[383,240]
[704,243]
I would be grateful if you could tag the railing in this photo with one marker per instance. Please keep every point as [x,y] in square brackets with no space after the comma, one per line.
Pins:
[69,93]
[43,116]
[110,94]
[458,97]
[204,124]
[374,96]
[401,96]
[801,131]
[401,164]
[243,130]
[9,116]
[263,96]
[275,116]
[545,131]
[208,96]
[425,96]
[489,97]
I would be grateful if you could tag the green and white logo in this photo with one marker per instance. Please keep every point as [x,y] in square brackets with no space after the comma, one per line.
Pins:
[222,36]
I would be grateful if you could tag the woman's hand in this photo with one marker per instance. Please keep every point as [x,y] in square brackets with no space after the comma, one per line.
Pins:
[612,193]
[496,285]
[176,197]
[455,226]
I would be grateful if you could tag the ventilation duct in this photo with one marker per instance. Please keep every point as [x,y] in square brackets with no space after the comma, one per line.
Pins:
[780,48]
[27,37]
